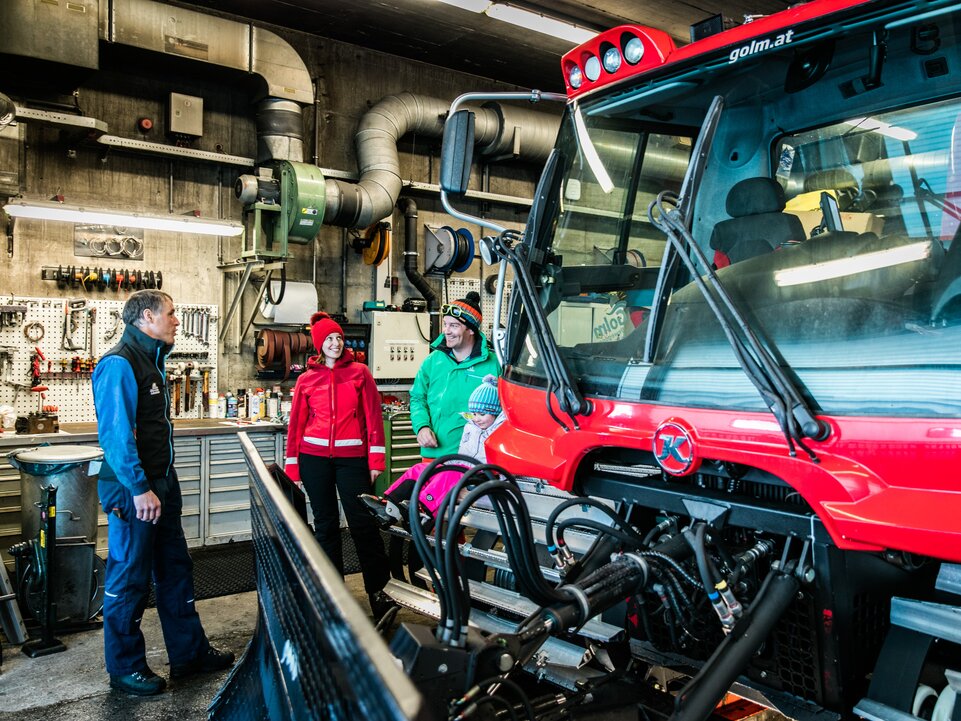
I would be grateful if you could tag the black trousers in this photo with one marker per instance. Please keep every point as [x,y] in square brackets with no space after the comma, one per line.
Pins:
[323,478]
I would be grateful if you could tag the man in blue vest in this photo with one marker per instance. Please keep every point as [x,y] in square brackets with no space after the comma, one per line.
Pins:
[140,494]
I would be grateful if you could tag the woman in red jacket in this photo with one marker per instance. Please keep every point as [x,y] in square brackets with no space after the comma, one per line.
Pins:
[335,444]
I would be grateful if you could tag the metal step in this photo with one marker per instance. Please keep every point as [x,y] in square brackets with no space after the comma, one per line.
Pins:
[949,578]
[872,710]
[578,541]
[932,619]
[554,652]
[515,603]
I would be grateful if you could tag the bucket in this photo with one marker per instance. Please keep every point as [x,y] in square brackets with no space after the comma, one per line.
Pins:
[73,470]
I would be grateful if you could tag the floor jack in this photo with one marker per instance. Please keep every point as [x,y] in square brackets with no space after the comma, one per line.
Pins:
[46,557]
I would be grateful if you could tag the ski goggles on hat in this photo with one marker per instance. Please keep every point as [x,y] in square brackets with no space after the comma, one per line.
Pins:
[463,313]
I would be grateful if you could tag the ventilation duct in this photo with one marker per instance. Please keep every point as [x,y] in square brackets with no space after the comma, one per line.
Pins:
[280,131]
[500,130]
[63,33]
[189,34]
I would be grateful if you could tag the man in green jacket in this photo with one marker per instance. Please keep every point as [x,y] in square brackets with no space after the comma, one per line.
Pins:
[459,360]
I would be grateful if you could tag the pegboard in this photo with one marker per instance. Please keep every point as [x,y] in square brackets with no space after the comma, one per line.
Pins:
[459,287]
[91,330]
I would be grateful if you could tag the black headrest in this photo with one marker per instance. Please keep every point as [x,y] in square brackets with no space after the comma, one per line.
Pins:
[753,196]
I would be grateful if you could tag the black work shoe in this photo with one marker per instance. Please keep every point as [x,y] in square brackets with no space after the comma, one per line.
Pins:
[377,509]
[139,683]
[210,660]
[380,604]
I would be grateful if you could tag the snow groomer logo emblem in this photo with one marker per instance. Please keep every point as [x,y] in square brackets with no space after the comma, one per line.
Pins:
[674,448]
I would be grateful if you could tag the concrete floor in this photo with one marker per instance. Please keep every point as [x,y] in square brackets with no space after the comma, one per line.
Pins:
[73,685]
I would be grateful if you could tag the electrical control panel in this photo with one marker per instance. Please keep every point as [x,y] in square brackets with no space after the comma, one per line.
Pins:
[185,115]
[399,343]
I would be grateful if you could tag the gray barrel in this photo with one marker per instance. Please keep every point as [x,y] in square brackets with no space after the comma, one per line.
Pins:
[73,470]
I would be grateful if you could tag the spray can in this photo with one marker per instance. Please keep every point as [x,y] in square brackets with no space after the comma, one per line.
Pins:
[231,405]
[255,405]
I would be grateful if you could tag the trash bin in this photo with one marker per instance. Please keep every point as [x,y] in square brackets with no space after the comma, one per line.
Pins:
[73,470]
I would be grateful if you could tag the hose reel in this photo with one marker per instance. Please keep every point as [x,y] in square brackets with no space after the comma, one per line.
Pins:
[374,246]
[448,250]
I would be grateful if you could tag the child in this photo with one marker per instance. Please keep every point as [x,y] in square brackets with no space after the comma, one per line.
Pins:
[484,416]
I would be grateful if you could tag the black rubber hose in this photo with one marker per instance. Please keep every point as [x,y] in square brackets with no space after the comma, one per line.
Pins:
[702,693]
[409,209]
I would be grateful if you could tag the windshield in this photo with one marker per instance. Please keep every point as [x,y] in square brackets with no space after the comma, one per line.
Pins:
[844,258]
[603,254]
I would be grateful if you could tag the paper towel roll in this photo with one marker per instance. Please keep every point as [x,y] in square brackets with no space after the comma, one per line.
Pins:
[297,305]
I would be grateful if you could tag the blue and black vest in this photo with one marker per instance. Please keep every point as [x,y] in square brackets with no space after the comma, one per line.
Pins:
[154,433]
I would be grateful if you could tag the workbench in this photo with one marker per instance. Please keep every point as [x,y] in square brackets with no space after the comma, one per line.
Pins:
[209,462]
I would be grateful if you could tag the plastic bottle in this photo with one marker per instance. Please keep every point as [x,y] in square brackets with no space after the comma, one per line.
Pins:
[221,406]
[213,405]
[254,405]
[285,405]
[273,406]
[241,403]
[262,405]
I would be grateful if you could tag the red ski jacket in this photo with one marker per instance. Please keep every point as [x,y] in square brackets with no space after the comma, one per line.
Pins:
[335,413]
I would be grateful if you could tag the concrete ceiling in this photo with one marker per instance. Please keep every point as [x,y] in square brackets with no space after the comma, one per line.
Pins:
[447,36]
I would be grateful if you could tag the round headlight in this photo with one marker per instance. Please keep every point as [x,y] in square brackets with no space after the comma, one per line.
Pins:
[633,51]
[592,68]
[612,60]
[575,77]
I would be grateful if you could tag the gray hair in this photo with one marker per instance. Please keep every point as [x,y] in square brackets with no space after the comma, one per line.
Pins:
[152,300]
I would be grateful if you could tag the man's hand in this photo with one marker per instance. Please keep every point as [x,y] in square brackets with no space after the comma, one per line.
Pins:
[426,438]
[148,507]
[373,475]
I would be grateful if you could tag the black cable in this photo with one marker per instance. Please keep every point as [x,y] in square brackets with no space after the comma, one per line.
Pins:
[594,526]
[419,538]
[585,501]
[513,686]
[672,563]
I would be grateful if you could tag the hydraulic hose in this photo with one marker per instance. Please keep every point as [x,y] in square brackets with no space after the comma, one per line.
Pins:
[702,693]
[598,591]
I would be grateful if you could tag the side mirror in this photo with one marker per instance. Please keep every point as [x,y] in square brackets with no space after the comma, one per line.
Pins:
[457,152]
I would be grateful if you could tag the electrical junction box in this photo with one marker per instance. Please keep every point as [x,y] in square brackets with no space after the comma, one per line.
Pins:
[399,343]
[185,115]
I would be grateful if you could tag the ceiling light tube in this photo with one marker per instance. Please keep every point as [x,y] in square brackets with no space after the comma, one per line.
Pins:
[475,6]
[539,23]
[46,210]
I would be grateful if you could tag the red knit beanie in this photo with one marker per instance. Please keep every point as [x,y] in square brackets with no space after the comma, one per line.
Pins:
[321,326]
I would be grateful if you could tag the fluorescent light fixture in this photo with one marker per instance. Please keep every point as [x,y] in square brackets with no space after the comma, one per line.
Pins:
[47,210]
[538,23]
[475,6]
[879,126]
[852,266]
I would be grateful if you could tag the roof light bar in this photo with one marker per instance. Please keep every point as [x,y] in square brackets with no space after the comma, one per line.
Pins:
[613,55]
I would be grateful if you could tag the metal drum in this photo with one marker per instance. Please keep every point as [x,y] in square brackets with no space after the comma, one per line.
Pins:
[73,470]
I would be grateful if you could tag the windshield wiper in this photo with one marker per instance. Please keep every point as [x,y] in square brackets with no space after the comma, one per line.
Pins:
[560,383]
[758,360]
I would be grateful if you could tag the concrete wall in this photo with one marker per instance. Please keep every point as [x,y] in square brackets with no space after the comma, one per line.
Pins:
[132,84]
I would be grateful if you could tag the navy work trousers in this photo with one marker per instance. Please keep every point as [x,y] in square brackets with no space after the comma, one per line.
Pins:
[323,478]
[138,551]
